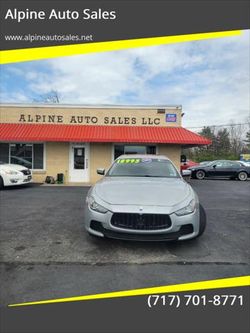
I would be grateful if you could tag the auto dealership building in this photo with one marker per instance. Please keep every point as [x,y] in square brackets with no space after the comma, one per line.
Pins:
[75,140]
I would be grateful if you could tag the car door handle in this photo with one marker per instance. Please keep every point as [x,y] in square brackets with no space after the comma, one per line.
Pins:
[87,163]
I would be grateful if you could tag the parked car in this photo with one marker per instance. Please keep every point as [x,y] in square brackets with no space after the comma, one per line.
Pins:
[143,197]
[14,174]
[221,168]
[245,163]
[205,162]
[187,164]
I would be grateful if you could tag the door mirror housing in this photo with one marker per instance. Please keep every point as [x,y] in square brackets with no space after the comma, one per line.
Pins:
[100,171]
[214,166]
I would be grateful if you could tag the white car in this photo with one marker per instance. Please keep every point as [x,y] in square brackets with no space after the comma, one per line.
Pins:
[14,174]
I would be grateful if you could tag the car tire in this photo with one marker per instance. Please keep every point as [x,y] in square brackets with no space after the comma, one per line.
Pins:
[242,176]
[1,183]
[203,220]
[200,174]
[192,175]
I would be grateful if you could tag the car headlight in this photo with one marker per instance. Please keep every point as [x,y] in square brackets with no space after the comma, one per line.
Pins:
[189,209]
[10,172]
[95,206]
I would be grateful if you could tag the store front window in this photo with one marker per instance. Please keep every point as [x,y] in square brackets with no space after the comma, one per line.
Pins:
[26,154]
[133,149]
[4,153]
[21,154]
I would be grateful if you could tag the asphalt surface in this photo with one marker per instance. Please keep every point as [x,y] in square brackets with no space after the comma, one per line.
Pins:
[46,252]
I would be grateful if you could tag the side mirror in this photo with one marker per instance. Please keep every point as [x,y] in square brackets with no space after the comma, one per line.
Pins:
[214,166]
[186,173]
[100,171]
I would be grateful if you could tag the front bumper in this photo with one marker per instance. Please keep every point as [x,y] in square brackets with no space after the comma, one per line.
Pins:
[181,228]
[12,180]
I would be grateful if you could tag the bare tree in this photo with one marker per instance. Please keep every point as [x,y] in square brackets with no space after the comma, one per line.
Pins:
[52,97]
[236,138]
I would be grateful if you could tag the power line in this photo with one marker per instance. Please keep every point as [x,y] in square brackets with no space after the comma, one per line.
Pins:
[224,125]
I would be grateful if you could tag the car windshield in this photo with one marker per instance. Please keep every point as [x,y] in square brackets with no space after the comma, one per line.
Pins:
[142,167]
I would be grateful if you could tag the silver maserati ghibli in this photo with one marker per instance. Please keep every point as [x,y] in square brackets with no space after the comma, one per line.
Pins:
[143,197]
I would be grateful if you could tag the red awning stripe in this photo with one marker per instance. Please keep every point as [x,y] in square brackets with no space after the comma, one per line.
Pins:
[92,133]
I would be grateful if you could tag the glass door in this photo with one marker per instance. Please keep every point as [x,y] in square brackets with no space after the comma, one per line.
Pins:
[78,170]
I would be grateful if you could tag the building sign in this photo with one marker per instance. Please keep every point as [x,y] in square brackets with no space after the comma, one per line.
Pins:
[171,117]
[124,116]
[245,157]
[88,120]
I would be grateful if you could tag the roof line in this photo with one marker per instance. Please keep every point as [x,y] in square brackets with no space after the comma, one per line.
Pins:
[85,133]
[90,106]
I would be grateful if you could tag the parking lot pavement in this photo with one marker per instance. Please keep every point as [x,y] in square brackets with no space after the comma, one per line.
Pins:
[46,253]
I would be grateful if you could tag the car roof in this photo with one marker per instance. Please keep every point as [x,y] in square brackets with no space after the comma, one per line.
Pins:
[152,156]
[226,161]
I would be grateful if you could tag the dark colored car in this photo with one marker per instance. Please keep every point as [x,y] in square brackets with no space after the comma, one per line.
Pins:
[204,163]
[221,168]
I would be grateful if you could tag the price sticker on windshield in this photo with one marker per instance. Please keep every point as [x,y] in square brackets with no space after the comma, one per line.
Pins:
[128,161]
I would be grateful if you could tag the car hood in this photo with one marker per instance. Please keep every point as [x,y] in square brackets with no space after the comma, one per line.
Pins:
[12,166]
[196,167]
[142,191]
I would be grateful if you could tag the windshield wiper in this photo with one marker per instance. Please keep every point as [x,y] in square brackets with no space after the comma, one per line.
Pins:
[153,176]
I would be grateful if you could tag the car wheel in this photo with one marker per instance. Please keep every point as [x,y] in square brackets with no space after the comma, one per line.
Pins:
[242,175]
[200,174]
[1,183]
[203,220]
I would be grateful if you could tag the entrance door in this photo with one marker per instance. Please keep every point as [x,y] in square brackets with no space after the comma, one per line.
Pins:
[78,159]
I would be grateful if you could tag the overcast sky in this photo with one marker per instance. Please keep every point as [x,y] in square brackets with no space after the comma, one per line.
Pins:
[209,78]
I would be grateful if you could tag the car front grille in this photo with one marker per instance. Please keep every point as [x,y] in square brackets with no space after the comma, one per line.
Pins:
[136,221]
[170,236]
[26,172]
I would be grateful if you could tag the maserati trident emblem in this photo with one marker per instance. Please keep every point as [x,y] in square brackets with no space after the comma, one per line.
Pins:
[140,210]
